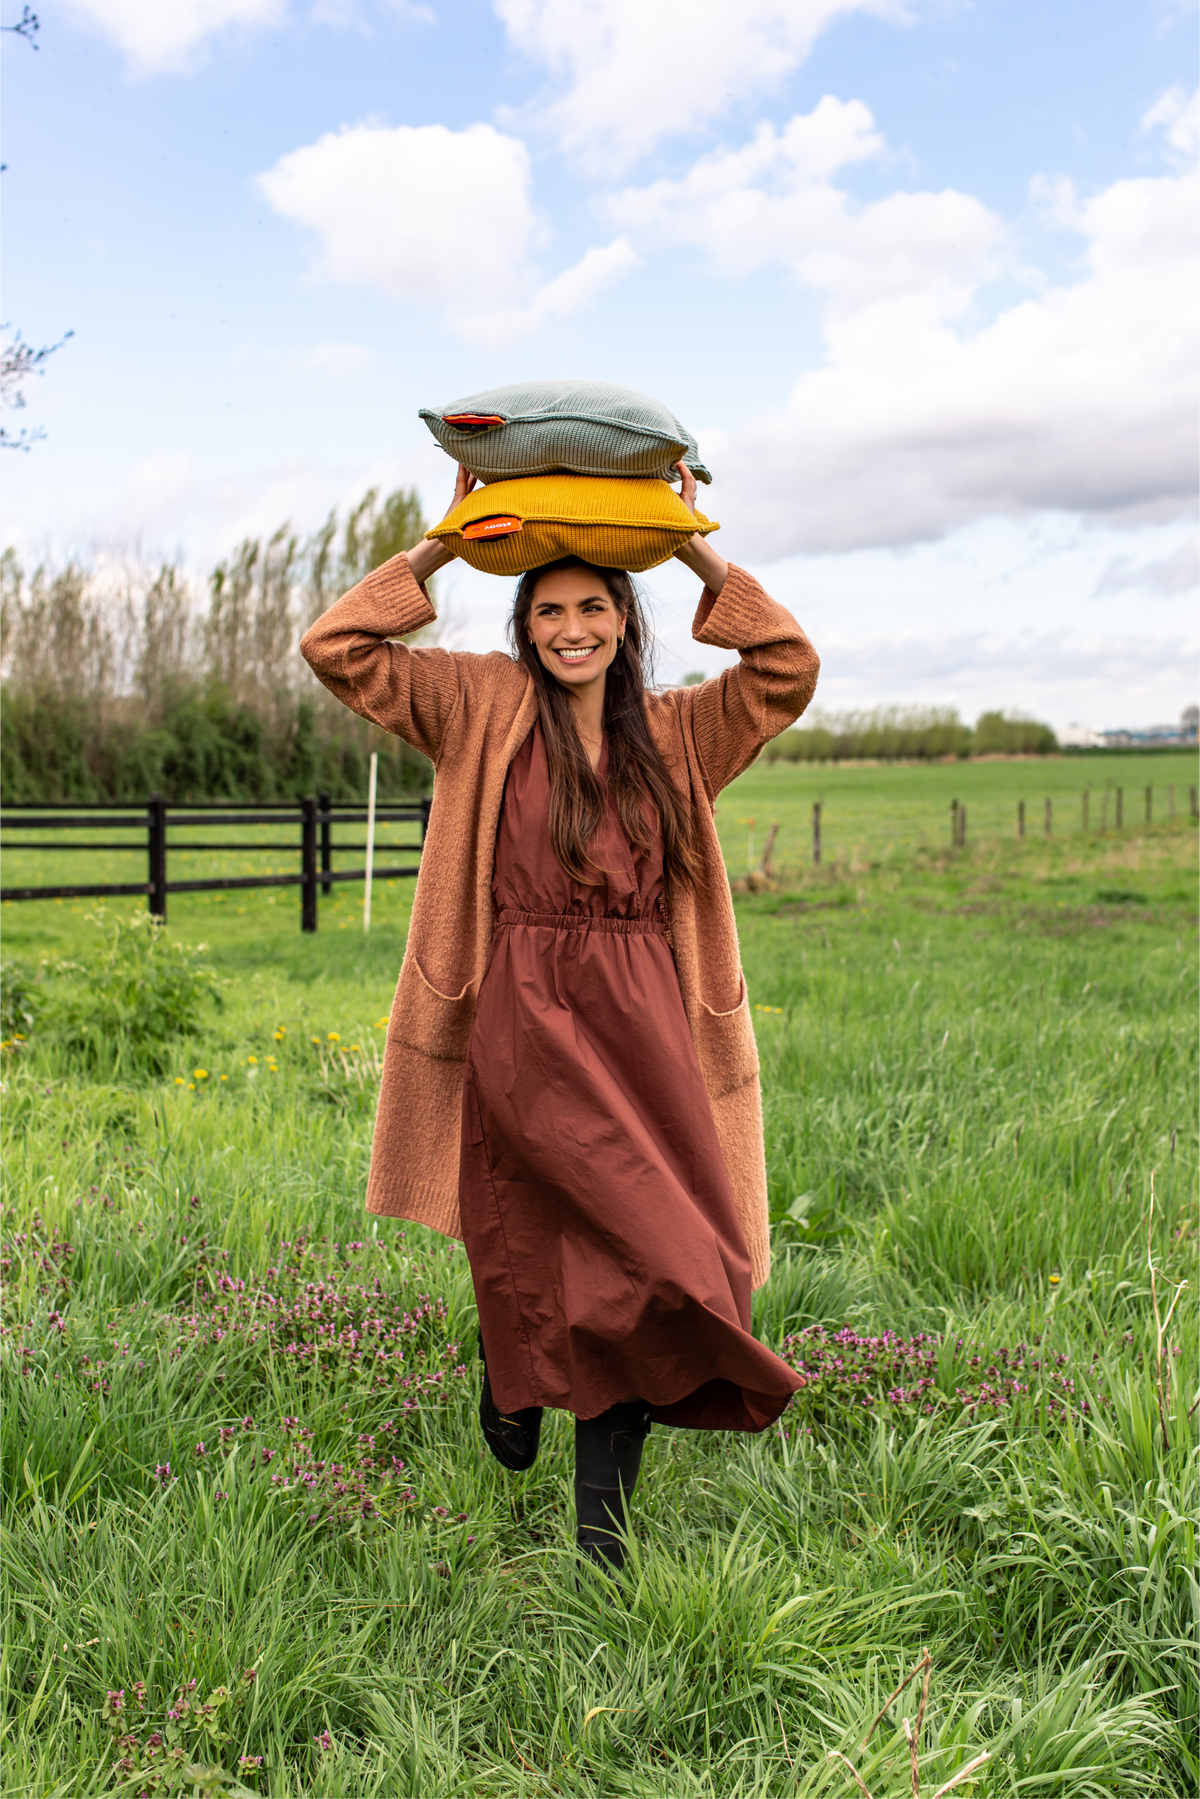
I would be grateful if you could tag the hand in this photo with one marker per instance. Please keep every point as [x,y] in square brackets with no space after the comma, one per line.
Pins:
[430,554]
[697,554]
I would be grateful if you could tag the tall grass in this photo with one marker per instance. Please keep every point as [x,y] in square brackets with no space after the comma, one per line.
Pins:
[120,680]
[969,1073]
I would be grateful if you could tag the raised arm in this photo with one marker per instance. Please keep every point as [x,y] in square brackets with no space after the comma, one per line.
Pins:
[733,716]
[411,693]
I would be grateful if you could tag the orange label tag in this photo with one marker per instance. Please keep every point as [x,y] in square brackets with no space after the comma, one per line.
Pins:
[500,525]
[472,421]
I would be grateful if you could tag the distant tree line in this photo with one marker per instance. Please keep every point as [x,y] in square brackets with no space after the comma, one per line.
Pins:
[909,734]
[118,680]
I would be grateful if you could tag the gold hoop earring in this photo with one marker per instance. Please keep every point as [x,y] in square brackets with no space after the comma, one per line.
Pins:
[620,641]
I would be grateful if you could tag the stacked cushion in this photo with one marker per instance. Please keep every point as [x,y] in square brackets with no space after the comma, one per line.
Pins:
[510,526]
[579,427]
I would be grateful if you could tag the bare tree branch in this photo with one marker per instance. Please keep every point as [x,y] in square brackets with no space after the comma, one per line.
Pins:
[18,361]
[27,26]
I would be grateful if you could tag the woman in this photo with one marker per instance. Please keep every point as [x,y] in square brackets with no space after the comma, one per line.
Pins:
[571,1082]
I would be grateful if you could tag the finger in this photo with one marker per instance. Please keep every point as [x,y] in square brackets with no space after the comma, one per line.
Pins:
[687,486]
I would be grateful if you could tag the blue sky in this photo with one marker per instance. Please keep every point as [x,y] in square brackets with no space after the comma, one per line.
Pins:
[921,276]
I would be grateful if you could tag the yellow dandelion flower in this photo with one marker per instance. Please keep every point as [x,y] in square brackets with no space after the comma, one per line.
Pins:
[334,1036]
[179,1081]
[191,1086]
[224,1077]
[251,1060]
[1055,1279]
[201,1074]
[317,1041]
[279,1036]
[353,1047]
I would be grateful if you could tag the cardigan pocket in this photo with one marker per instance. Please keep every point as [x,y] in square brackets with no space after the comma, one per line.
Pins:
[436,1023]
[725,1045]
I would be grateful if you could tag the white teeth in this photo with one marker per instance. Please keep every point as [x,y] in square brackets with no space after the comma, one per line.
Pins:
[577,655]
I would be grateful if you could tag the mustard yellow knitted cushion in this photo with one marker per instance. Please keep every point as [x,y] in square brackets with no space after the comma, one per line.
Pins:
[509,526]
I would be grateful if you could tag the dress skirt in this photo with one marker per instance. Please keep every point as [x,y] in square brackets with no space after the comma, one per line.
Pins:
[607,1256]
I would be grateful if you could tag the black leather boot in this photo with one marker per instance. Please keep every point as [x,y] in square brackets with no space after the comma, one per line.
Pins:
[608,1457]
[512,1437]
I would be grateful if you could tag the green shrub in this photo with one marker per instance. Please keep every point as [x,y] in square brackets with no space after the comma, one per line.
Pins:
[1011,734]
[18,1008]
[123,1009]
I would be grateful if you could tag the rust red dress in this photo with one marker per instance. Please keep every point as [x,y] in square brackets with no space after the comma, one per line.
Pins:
[607,1255]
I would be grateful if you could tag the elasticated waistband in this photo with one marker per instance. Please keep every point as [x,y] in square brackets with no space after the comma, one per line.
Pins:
[583,921]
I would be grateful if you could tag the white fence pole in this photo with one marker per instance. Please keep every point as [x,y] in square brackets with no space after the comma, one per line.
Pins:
[370,839]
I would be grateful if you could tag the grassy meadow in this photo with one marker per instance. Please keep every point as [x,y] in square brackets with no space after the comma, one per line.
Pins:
[253,1543]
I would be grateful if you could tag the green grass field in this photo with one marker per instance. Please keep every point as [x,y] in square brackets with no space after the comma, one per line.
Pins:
[972,1066]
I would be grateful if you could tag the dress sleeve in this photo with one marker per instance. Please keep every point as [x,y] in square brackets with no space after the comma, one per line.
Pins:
[410,692]
[733,716]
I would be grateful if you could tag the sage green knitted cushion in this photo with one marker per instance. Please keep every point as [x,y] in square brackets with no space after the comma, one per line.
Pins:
[581,427]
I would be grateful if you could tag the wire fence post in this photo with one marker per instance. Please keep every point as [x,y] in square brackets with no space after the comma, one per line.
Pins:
[816,833]
[371,784]
[1171,802]
[953,824]
[1120,803]
[962,827]
[1020,818]
[156,845]
[1049,817]
[1086,797]
[308,865]
[1192,803]
[324,802]
[1149,805]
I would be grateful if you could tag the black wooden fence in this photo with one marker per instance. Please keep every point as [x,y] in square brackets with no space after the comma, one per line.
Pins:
[316,848]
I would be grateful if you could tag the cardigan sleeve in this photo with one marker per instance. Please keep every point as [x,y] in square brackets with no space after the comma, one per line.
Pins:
[410,692]
[734,715]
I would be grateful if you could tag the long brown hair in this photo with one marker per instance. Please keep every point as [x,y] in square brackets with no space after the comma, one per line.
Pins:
[636,770]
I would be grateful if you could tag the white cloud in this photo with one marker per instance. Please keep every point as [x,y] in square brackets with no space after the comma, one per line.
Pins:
[1112,681]
[558,298]
[1177,113]
[437,216]
[160,36]
[630,72]
[773,201]
[423,212]
[1080,400]
[1165,575]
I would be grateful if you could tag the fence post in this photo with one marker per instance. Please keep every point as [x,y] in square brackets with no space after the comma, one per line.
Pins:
[371,785]
[1149,805]
[323,805]
[1120,807]
[1171,801]
[308,865]
[1049,817]
[816,831]
[156,846]
[1086,797]
[1020,818]
[962,827]
[1192,803]
[953,824]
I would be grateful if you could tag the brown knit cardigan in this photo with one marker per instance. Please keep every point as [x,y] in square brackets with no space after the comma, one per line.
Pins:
[470,714]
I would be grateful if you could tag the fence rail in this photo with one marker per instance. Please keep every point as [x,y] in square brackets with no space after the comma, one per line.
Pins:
[316,848]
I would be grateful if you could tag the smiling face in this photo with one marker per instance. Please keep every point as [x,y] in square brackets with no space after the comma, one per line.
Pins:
[574,624]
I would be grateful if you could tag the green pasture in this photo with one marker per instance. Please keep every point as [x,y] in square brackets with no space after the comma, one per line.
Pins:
[973,1064]
[872,810]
